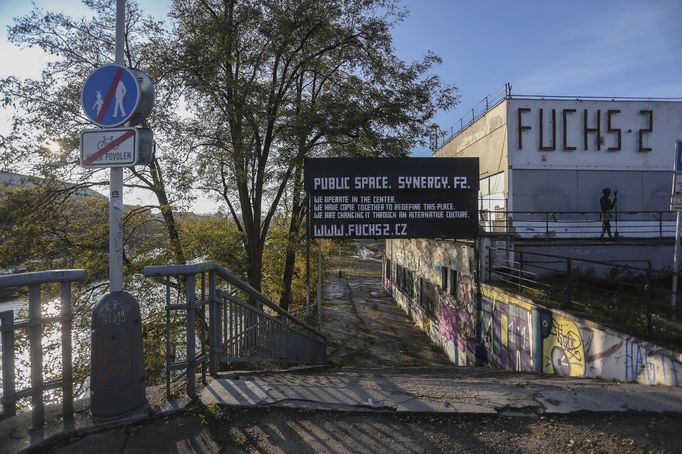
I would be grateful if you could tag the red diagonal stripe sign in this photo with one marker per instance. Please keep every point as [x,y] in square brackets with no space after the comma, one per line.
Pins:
[110,146]
[110,94]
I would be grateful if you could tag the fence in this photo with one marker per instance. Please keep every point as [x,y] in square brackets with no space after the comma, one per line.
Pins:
[440,138]
[239,331]
[35,324]
[637,298]
[577,224]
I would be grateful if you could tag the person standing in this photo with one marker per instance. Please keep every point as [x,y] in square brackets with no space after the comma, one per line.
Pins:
[607,205]
[118,99]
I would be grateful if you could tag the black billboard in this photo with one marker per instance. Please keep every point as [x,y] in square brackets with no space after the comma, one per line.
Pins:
[392,197]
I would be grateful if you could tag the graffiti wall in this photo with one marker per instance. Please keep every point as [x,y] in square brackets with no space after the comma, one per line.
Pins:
[574,347]
[566,345]
[501,329]
[446,314]
[507,330]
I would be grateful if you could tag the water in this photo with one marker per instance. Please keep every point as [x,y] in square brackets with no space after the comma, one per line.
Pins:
[150,295]
[12,303]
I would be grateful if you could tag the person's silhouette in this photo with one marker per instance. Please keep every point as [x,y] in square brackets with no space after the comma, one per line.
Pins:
[118,98]
[606,205]
[98,103]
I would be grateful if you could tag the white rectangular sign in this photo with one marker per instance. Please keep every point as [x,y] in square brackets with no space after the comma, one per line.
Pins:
[676,203]
[592,134]
[109,147]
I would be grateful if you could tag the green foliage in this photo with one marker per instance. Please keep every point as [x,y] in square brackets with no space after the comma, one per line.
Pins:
[42,229]
[213,239]
[273,82]
[274,262]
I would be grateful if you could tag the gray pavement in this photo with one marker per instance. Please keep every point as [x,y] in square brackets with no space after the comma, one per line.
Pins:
[433,409]
[438,390]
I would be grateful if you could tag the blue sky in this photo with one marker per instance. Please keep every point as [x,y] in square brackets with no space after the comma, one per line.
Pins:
[575,48]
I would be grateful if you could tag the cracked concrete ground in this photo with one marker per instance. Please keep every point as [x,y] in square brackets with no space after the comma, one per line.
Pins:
[438,390]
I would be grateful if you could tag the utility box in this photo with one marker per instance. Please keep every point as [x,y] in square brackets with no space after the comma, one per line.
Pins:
[117,372]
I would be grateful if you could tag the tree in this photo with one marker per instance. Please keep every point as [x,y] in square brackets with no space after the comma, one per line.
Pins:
[274,81]
[48,111]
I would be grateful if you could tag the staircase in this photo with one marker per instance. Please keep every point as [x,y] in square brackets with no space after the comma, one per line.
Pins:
[229,322]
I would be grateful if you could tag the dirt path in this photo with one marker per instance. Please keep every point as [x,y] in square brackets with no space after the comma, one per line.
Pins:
[365,328]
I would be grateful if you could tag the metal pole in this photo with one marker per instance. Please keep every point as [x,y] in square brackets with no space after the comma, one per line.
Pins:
[116,181]
[676,264]
[190,300]
[307,261]
[67,366]
[319,282]
[36,347]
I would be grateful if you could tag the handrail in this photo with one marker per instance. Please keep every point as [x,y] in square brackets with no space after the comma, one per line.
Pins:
[620,212]
[41,277]
[35,323]
[191,269]
[593,262]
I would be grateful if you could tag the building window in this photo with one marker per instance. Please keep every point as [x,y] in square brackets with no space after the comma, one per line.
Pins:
[453,282]
[388,269]
[428,296]
[404,280]
[444,278]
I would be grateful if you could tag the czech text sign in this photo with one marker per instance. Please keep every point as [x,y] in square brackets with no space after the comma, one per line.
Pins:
[676,199]
[392,197]
[122,147]
[676,203]
[113,95]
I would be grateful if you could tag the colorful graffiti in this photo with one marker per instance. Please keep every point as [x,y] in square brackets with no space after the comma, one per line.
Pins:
[648,366]
[456,318]
[562,346]
[509,336]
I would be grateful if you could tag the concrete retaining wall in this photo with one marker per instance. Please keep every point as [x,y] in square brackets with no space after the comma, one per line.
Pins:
[504,330]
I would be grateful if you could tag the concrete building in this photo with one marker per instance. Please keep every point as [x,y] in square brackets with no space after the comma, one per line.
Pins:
[11,180]
[555,155]
[544,162]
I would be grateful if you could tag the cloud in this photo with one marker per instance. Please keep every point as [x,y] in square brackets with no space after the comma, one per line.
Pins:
[621,50]
[26,62]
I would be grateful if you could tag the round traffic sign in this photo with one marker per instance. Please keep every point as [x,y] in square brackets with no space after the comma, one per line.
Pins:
[113,95]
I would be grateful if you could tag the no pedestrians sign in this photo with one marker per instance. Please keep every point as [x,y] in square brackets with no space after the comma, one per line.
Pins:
[110,96]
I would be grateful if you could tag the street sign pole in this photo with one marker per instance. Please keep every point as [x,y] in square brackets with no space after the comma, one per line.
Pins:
[117,384]
[676,264]
[116,181]
[677,206]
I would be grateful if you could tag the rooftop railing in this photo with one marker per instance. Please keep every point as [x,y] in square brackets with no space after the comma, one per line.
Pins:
[577,224]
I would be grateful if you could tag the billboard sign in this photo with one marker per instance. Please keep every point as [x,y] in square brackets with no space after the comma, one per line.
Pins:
[392,197]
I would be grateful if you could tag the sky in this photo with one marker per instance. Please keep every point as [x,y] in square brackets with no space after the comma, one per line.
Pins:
[607,48]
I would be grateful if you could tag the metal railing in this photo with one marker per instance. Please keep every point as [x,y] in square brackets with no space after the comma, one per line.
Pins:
[250,334]
[635,295]
[577,224]
[239,331]
[440,138]
[35,324]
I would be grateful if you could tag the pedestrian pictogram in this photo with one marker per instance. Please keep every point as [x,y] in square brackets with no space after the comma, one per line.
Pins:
[113,95]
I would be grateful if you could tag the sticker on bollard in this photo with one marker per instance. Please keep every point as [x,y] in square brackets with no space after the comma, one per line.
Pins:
[117,364]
